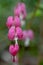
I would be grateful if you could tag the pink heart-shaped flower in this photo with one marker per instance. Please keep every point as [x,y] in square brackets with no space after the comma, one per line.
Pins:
[13,50]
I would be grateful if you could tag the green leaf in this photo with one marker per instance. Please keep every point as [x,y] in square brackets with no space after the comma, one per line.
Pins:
[38,13]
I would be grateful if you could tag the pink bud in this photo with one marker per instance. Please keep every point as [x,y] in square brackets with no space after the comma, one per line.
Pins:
[23,10]
[24,34]
[9,22]
[23,6]
[31,34]
[17,21]
[11,33]
[19,33]
[20,9]
[17,11]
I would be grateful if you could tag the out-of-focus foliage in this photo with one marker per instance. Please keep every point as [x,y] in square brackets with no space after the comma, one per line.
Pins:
[41,63]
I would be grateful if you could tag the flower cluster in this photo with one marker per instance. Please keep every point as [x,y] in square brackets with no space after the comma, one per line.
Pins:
[15,32]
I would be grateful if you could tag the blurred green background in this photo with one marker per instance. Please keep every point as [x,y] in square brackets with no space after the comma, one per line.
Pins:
[33,20]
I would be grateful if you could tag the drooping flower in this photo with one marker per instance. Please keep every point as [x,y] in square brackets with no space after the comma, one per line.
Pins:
[24,34]
[30,34]
[11,33]
[17,22]
[9,22]
[20,10]
[13,49]
[19,33]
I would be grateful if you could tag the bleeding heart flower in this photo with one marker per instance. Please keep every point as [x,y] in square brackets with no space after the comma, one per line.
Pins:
[19,33]
[24,34]
[30,34]
[9,22]
[13,49]
[11,33]
[17,11]
[17,21]
[20,9]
